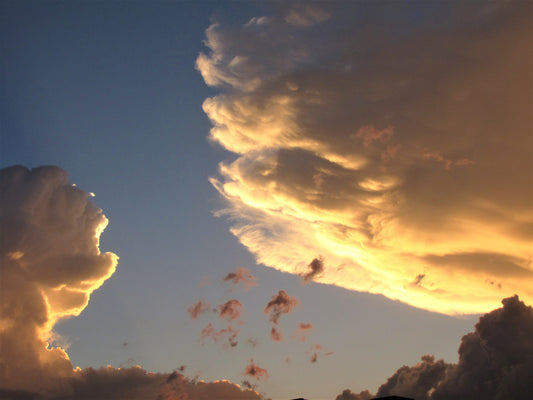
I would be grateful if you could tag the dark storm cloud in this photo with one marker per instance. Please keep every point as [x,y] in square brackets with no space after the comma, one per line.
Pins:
[495,362]
[416,381]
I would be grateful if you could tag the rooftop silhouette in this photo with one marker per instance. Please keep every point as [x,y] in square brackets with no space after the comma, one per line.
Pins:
[392,398]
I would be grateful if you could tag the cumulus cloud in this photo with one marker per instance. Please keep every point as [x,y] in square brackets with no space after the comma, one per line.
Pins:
[241,275]
[391,145]
[50,263]
[495,362]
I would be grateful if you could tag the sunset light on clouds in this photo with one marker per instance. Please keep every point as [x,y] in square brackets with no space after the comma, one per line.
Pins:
[300,199]
[392,156]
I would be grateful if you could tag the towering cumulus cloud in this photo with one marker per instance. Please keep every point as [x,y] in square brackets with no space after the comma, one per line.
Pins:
[495,362]
[50,264]
[393,141]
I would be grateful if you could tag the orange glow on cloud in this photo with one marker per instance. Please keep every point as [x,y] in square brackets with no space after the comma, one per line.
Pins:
[390,170]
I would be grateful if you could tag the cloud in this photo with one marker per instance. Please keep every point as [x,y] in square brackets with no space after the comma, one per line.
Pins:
[230,310]
[254,371]
[316,351]
[305,15]
[198,308]
[316,268]
[241,275]
[303,331]
[228,334]
[280,304]
[417,381]
[276,335]
[348,395]
[137,384]
[50,263]
[388,144]
[495,362]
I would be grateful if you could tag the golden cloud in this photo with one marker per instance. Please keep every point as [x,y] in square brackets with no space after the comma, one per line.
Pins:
[395,154]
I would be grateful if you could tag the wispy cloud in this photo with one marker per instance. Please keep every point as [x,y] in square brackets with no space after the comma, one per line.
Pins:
[198,308]
[230,310]
[254,371]
[303,331]
[241,276]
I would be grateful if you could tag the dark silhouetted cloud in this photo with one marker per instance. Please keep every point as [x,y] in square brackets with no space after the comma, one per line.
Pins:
[315,268]
[495,362]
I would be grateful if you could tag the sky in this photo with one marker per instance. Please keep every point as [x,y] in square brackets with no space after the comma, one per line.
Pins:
[258,200]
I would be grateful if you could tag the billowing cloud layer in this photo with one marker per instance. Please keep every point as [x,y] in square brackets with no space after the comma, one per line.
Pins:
[50,263]
[394,142]
[136,384]
[495,362]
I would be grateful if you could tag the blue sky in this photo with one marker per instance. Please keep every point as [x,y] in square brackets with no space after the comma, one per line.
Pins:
[109,92]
